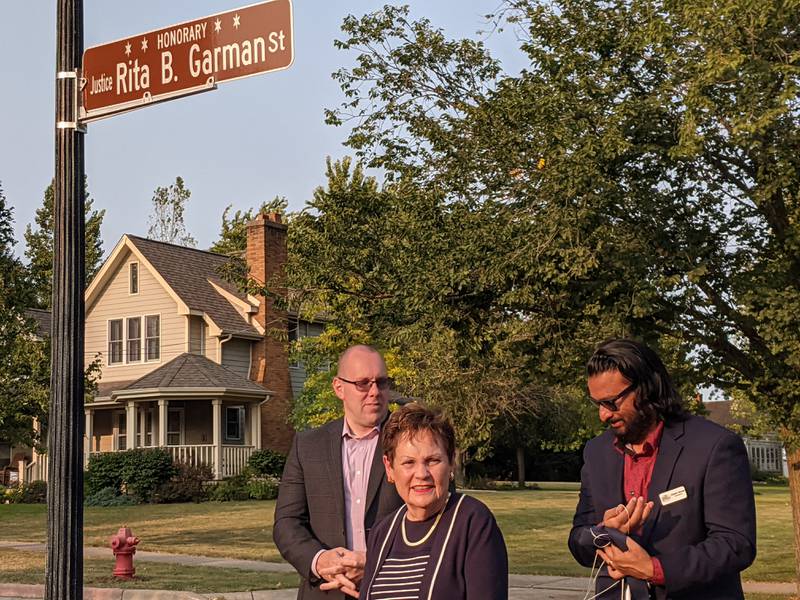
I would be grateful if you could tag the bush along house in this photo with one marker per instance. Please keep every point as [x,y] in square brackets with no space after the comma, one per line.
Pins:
[189,363]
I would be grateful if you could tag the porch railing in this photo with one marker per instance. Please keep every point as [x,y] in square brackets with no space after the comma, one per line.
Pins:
[193,455]
[234,459]
[36,470]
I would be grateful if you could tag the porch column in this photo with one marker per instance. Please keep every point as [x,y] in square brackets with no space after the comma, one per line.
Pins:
[88,413]
[130,425]
[163,404]
[255,425]
[217,437]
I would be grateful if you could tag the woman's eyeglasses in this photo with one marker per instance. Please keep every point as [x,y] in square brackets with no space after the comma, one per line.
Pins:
[611,403]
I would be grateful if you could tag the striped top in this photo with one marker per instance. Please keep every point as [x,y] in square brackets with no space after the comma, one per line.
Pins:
[400,576]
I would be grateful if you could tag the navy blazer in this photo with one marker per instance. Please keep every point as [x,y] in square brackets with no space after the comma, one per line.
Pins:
[703,541]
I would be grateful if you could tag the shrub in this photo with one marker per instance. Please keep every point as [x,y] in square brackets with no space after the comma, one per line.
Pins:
[263,488]
[109,496]
[233,488]
[186,485]
[34,492]
[138,472]
[104,471]
[267,463]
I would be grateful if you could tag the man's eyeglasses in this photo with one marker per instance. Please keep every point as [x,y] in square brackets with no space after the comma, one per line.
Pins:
[364,385]
[611,403]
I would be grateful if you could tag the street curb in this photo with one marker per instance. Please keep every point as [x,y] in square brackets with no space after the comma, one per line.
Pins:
[22,590]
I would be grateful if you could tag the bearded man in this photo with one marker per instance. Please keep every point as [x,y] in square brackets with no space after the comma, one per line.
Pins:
[678,485]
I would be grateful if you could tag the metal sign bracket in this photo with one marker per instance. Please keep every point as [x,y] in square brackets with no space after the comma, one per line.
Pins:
[77,88]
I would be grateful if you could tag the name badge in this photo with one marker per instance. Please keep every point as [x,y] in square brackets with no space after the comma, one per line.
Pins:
[674,495]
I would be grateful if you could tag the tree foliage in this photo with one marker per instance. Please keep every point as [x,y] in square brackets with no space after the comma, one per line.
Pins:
[167,221]
[39,246]
[24,362]
[233,237]
[648,156]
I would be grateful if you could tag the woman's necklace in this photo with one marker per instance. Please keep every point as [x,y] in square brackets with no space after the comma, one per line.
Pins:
[430,531]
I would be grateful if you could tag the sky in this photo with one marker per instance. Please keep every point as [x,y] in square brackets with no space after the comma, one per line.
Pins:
[239,145]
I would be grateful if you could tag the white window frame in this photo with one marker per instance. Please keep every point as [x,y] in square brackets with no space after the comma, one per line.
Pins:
[146,338]
[295,334]
[241,418]
[120,341]
[142,430]
[181,425]
[128,359]
[131,266]
[115,428]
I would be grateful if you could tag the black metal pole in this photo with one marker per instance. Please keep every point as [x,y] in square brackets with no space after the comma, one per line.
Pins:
[64,579]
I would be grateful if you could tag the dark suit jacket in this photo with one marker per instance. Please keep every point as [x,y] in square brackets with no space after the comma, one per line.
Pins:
[310,513]
[704,541]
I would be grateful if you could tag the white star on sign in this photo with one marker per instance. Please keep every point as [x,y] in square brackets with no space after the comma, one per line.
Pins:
[144,44]
[217,26]
[128,49]
[236,21]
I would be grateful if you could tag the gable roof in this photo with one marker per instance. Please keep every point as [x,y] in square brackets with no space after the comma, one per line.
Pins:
[720,413]
[192,278]
[193,371]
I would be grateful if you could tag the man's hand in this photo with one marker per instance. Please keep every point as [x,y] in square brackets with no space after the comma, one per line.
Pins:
[636,562]
[342,569]
[628,518]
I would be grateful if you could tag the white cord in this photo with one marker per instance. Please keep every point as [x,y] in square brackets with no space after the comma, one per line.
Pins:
[593,580]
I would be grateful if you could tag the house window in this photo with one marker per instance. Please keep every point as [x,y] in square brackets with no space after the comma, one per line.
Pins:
[297,330]
[153,337]
[121,427]
[5,454]
[234,423]
[115,342]
[145,427]
[133,278]
[134,339]
[175,427]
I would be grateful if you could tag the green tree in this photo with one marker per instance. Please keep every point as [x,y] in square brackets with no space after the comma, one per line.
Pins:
[167,220]
[233,232]
[24,362]
[428,281]
[39,247]
[657,139]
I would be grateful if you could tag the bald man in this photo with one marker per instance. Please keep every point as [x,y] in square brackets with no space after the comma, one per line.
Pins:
[333,489]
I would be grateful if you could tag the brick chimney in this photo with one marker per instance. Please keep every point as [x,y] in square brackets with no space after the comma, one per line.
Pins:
[266,258]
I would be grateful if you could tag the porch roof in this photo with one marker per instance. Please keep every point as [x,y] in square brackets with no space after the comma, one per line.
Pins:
[193,375]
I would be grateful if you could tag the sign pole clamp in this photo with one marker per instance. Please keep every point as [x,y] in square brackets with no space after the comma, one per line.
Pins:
[77,88]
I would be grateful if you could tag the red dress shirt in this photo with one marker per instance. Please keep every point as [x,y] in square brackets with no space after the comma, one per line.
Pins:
[638,471]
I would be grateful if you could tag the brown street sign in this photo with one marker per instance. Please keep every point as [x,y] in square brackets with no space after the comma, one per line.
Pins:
[186,58]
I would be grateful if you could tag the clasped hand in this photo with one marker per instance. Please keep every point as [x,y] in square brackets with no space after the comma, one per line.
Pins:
[341,569]
[636,562]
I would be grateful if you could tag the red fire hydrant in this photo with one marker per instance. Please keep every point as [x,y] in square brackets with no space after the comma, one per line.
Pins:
[124,547]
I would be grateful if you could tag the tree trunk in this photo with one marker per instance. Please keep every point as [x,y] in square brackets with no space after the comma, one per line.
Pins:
[521,467]
[793,458]
[460,468]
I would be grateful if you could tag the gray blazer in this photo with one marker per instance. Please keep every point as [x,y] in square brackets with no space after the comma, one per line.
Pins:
[310,513]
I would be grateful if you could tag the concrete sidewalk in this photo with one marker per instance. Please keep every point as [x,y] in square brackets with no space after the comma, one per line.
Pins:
[521,587]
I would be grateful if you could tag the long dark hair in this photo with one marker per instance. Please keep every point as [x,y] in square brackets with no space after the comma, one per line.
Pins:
[655,392]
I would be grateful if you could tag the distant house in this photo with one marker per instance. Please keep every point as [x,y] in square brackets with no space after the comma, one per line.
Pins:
[188,362]
[767,454]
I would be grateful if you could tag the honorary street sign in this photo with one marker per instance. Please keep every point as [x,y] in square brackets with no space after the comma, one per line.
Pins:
[186,58]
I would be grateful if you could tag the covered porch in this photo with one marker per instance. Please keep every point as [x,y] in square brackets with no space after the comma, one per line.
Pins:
[198,410]
[221,433]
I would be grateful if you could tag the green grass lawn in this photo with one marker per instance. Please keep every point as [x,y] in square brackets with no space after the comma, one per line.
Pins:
[531,521]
